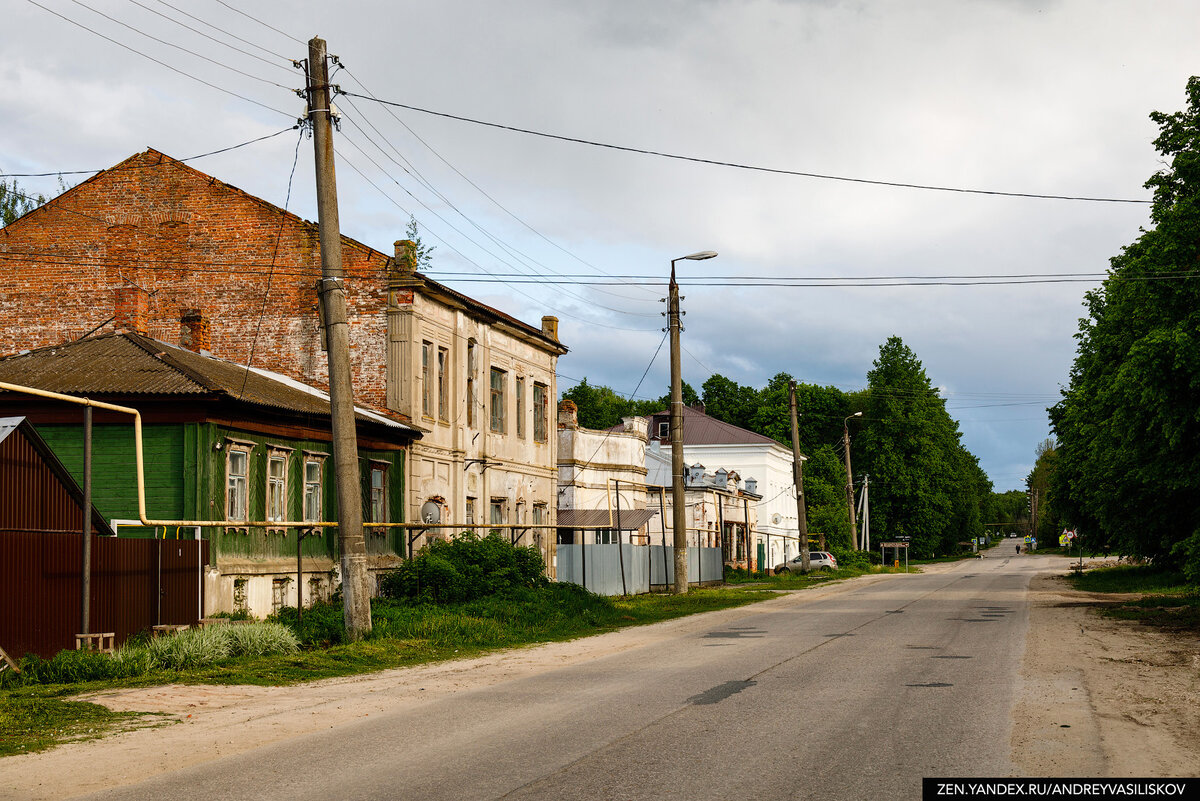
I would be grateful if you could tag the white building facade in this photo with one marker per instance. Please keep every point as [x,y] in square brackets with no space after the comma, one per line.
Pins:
[762,465]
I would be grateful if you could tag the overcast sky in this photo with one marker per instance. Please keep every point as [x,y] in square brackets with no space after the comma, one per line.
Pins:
[1013,96]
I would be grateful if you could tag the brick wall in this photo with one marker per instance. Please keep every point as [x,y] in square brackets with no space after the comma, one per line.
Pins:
[190,244]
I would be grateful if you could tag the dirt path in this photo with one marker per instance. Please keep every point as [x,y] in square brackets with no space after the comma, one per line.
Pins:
[1129,696]
[1101,697]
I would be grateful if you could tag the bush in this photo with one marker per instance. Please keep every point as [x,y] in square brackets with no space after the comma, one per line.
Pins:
[260,639]
[189,649]
[465,568]
[322,625]
[853,560]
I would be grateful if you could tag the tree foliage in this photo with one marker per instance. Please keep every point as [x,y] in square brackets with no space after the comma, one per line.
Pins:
[927,486]
[15,203]
[1128,424]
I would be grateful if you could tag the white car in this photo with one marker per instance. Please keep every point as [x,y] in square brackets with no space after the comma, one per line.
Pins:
[816,561]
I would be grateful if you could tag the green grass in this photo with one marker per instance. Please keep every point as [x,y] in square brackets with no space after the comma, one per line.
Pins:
[1133,578]
[1168,601]
[29,724]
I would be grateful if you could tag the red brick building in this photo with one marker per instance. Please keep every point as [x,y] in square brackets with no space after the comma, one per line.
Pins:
[155,246]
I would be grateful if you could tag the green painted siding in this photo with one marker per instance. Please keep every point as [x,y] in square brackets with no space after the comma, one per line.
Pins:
[114,476]
[186,478]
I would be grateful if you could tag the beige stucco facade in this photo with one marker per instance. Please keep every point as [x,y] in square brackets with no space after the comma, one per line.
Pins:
[601,471]
[481,385]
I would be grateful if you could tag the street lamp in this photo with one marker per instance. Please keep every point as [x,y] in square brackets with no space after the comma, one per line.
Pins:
[850,481]
[678,512]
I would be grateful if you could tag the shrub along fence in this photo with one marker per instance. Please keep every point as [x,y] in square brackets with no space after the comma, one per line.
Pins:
[135,584]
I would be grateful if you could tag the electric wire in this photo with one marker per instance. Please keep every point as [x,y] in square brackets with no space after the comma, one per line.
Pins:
[476,186]
[209,37]
[181,48]
[262,309]
[739,166]
[526,295]
[412,170]
[159,61]
[260,22]
[225,32]
[144,166]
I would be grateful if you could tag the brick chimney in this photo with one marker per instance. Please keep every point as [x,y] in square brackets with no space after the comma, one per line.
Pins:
[568,414]
[132,309]
[405,261]
[194,331]
[550,327]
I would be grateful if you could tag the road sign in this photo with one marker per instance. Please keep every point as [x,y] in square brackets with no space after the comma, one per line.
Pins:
[893,545]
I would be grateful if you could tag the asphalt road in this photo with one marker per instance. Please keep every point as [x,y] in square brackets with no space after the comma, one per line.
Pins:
[854,696]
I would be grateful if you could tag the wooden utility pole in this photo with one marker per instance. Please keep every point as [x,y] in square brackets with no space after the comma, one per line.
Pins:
[850,482]
[798,478]
[356,594]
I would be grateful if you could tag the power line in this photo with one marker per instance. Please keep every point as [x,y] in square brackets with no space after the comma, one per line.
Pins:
[260,22]
[476,186]
[143,166]
[735,165]
[207,36]
[529,278]
[227,33]
[158,61]
[178,47]
[518,255]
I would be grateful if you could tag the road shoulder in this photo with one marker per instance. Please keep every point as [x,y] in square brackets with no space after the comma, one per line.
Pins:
[1101,697]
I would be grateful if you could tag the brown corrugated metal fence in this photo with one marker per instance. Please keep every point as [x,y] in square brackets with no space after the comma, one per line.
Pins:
[136,584]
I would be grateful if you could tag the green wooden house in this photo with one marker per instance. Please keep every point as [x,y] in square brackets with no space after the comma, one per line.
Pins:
[221,443]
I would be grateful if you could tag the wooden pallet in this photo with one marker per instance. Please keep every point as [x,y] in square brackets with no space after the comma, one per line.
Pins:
[104,642]
[7,662]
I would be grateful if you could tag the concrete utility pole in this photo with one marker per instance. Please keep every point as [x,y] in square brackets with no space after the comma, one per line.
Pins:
[798,479]
[356,594]
[850,482]
[678,512]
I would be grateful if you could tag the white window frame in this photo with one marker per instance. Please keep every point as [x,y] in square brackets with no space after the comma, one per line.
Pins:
[313,489]
[276,486]
[378,495]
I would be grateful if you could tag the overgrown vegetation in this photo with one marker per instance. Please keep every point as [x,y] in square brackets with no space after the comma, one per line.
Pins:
[924,483]
[1127,429]
[34,724]
[465,568]
[1172,602]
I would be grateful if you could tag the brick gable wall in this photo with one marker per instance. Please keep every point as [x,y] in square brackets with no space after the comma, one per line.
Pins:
[191,243]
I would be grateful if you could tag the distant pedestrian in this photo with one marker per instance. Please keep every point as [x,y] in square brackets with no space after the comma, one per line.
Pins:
[1018,549]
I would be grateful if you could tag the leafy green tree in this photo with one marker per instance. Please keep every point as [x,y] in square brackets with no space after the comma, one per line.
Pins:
[14,203]
[926,485]
[424,253]
[599,407]
[729,401]
[1040,479]
[1128,425]
[825,496]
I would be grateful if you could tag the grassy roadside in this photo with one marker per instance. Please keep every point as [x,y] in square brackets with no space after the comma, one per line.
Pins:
[34,717]
[1167,601]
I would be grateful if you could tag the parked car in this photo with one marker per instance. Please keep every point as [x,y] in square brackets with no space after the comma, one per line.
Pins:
[816,561]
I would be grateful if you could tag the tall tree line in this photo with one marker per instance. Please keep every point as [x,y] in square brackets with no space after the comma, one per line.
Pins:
[924,484]
[1128,425]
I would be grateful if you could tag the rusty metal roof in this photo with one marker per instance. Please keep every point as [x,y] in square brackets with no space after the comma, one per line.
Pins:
[131,364]
[630,519]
